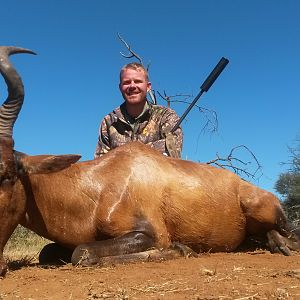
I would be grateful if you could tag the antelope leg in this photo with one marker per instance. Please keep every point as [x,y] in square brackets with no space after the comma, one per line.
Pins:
[281,244]
[90,253]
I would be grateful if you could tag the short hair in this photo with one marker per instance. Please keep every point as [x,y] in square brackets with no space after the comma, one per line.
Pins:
[135,66]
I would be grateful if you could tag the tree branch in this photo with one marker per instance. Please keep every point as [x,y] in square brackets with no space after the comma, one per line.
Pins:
[211,116]
[231,160]
[132,53]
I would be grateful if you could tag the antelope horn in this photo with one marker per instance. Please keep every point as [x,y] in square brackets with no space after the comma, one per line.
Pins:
[11,107]
[9,110]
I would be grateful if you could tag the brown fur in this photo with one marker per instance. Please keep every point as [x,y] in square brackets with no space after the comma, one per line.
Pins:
[107,197]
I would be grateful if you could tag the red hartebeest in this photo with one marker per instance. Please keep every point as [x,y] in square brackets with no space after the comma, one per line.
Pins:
[131,200]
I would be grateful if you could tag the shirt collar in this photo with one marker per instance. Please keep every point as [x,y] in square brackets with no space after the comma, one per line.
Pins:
[132,120]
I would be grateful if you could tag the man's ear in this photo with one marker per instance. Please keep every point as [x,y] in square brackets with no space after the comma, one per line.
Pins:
[47,163]
[149,85]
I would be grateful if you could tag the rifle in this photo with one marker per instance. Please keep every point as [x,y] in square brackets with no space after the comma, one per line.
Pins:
[204,88]
[170,139]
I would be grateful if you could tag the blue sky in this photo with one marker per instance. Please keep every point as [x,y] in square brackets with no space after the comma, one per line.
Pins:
[73,81]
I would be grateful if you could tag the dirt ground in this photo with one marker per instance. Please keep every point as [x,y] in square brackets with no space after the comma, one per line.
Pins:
[251,275]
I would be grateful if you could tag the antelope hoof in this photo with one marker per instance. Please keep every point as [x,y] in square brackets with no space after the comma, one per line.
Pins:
[183,250]
[83,256]
[277,243]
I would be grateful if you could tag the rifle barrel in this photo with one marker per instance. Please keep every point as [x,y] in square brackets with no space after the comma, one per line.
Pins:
[204,88]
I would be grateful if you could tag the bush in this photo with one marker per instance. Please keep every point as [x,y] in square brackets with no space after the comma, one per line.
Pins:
[288,185]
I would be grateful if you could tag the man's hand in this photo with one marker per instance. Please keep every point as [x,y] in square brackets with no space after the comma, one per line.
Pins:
[171,146]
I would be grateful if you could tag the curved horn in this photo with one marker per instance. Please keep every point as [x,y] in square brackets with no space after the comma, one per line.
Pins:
[11,107]
[9,110]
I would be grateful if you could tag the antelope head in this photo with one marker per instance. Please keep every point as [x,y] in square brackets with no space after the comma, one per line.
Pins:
[10,210]
[12,163]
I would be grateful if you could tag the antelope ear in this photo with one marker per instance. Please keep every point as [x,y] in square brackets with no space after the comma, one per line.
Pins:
[47,163]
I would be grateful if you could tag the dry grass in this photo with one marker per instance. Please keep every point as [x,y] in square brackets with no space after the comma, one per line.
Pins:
[23,247]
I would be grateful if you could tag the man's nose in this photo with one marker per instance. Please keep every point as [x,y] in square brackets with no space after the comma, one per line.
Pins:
[132,85]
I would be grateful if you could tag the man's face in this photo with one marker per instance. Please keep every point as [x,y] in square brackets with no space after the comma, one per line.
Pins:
[134,86]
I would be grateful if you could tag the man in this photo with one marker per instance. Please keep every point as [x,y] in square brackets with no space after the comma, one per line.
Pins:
[137,119]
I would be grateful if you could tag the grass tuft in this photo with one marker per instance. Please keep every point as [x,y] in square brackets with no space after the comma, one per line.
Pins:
[23,247]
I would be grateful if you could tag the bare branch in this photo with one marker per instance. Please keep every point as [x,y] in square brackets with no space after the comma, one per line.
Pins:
[293,163]
[132,53]
[152,96]
[168,98]
[212,123]
[211,116]
[230,162]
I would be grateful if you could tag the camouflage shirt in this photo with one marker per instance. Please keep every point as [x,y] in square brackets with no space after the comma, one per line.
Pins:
[151,127]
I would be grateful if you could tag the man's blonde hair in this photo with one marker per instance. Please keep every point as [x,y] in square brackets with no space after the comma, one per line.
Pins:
[135,66]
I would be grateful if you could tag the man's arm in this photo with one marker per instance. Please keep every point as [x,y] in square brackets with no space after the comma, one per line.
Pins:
[103,145]
[167,122]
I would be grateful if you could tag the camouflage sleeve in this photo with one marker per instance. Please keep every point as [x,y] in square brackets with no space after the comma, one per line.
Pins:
[103,145]
[168,121]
